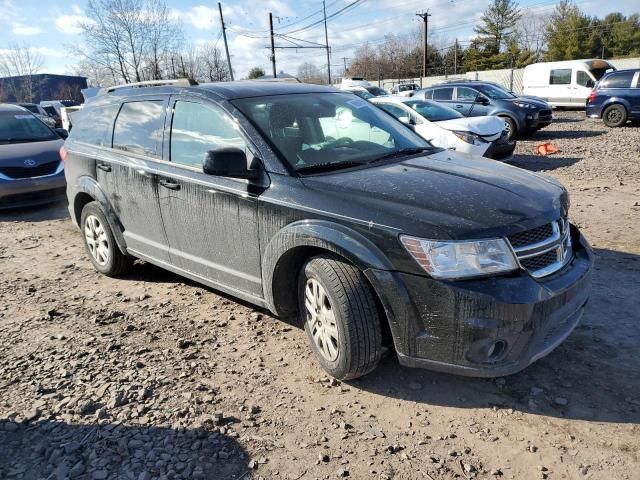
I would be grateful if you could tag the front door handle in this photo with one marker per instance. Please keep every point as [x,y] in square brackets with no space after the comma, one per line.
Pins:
[104,167]
[170,185]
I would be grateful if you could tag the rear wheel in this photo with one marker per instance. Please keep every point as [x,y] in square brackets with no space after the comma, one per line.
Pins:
[614,116]
[340,316]
[99,242]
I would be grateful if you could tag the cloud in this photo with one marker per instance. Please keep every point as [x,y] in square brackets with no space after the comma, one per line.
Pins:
[199,17]
[25,30]
[70,24]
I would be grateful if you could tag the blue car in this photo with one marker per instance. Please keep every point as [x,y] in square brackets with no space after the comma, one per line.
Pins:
[616,98]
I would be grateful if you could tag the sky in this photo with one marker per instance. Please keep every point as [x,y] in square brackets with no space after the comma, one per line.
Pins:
[51,26]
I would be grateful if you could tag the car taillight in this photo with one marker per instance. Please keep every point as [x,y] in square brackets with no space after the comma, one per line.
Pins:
[63,153]
[591,97]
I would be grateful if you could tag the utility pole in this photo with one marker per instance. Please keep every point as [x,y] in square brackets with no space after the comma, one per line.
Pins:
[344,59]
[455,57]
[326,38]
[425,17]
[273,49]
[226,46]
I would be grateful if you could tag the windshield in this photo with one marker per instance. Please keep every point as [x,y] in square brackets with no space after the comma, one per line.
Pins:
[434,112]
[376,91]
[19,126]
[495,92]
[363,94]
[311,130]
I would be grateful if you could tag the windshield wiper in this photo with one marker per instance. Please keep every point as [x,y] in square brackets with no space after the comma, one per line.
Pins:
[325,167]
[404,151]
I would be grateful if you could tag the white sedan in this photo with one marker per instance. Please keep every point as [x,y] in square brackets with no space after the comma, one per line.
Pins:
[446,128]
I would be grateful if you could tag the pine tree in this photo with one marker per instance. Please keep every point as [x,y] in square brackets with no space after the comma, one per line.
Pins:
[497,27]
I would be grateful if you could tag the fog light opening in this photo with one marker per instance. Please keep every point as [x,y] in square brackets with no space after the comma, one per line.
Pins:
[496,349]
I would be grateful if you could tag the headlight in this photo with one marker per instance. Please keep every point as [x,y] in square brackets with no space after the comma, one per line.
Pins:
[461,259]
[526,105]
[468,137]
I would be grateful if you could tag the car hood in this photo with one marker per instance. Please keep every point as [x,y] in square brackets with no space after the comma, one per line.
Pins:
[16,154]
[442,196]
[484,126]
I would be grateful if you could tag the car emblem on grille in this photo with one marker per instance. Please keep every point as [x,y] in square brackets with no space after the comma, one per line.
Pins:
[30,162]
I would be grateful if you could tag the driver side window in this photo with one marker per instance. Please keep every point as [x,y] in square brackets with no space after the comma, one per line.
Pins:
[197,128]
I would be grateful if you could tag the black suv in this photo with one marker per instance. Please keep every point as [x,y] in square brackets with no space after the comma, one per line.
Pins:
[523,115]
[313,203]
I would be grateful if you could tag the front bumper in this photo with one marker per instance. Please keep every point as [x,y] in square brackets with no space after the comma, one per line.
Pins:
[539,119]
[487,327]
[28,192]
[501,149]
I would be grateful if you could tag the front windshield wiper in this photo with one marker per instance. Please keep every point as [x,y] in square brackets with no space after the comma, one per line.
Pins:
[404,151]
[325,167]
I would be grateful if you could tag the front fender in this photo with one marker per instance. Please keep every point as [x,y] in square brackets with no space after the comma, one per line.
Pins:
[86,185]
[320,234]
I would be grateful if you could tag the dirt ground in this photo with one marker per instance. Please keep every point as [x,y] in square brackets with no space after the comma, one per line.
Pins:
[151,376]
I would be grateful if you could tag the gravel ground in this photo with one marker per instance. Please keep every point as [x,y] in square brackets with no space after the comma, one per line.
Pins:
[151,376]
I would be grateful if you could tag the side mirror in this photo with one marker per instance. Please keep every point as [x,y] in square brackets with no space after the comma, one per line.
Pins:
[482,100]
[405,120]
[228,162]
[62,133]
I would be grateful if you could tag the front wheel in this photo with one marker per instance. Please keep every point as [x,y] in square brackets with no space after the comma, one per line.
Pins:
[614,116]
[100,244]
[340,316]
[511,127]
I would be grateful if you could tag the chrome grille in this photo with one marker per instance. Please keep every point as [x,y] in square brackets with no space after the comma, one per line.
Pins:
[543,250]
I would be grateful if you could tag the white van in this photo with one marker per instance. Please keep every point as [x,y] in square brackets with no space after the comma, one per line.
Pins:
[564,84]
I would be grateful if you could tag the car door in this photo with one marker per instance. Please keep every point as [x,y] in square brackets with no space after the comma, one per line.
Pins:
[125,173]
[560,87]
[443,95]
[581,87]
[465,102]
[211,222]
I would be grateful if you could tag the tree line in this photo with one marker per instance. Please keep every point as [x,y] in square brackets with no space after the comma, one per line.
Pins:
[506,37]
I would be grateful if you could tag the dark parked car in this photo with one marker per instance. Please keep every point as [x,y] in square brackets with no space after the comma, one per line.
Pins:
[523,115]
[315,203]
[616,98]
[31,169]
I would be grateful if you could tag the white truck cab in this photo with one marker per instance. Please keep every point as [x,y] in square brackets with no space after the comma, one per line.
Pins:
[564,84]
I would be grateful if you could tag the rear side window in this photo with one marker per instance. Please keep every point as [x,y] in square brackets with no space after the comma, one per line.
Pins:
[197,128]
[443,93]
[94,125]
[139,128]
[619,80]
[560,77]
[428,94]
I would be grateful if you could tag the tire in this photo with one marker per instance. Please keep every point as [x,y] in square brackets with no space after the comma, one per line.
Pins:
[511,127]
[344,330]
[614,116]
[100,244]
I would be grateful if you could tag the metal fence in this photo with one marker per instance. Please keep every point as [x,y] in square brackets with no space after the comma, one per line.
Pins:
[510,78]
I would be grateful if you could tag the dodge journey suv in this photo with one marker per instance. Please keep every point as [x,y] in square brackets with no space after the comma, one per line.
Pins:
[313,203]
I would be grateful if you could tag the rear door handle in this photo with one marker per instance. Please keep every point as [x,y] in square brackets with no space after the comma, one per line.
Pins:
[170,185]
[104,167]
[458,106]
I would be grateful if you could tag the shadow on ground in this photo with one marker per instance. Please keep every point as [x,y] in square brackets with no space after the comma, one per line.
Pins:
[58,450]
[594,375]
[537,163]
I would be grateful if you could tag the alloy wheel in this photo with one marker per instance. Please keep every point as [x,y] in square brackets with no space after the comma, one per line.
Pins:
[97,240]
[321,320]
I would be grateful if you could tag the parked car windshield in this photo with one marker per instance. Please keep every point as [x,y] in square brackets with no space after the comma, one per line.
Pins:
[32,108]
[311,130]
[377,91]
[22,126]
[494,92]
[434,112]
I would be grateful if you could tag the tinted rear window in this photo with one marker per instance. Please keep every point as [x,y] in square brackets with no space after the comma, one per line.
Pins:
[94,125]
[443,93]
[618,80]
[139,128]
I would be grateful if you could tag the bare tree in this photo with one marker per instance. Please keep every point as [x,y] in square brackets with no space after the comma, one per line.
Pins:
[20,60]
[129,40]
[213,64]
[310,73]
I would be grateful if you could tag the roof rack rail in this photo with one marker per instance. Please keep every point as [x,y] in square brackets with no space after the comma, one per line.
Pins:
[178,82]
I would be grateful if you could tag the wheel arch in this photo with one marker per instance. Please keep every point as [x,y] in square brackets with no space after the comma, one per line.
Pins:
[294,244]
[87,190]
